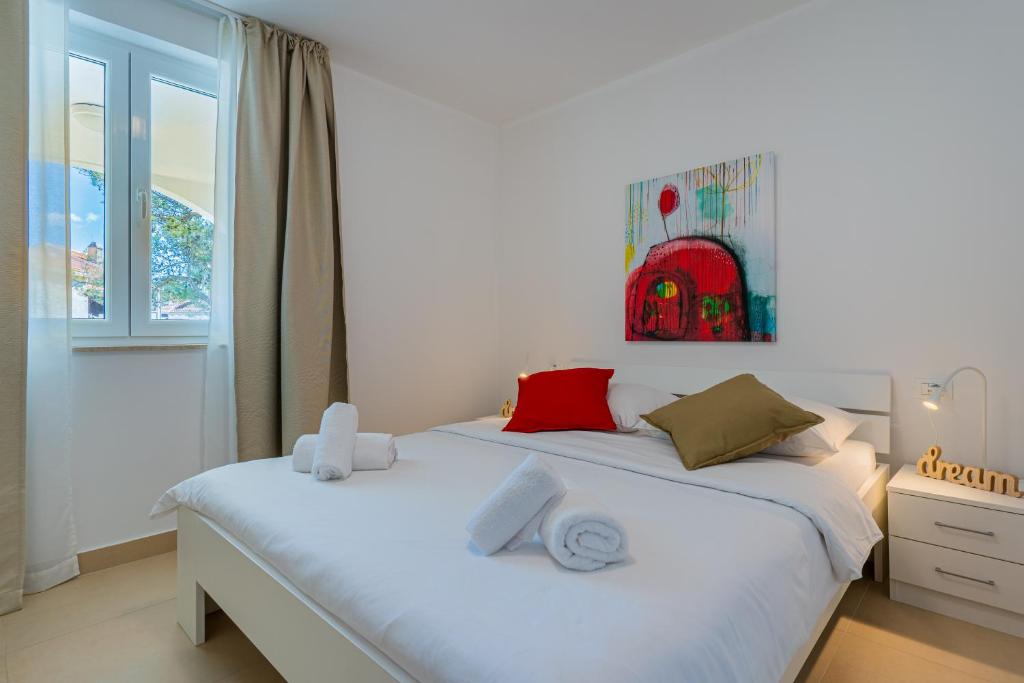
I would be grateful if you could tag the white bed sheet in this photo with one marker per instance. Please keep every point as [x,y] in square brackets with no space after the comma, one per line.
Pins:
[853,464]
[719,587]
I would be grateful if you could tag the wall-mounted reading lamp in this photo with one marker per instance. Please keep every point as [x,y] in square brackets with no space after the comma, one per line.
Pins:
[935,399]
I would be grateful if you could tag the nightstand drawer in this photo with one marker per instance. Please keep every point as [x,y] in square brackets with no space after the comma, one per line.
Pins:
[976,530]
[981,579]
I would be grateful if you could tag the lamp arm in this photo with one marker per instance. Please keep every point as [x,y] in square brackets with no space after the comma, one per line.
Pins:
[984,407]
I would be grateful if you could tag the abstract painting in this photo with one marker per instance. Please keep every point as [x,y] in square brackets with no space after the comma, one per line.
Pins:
[700,254]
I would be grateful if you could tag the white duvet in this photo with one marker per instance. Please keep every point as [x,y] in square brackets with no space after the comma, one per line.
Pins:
[729,566]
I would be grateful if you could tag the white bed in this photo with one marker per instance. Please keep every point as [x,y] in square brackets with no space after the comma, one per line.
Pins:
[853,464]
[375,575]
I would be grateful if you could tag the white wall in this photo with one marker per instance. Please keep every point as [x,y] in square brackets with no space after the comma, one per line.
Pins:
[418,201]
[418,205]
[168,20]
[136,415]
[135,433]
[897,128]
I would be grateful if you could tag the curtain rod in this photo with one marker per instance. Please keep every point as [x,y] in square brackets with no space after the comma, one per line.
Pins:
[215,8]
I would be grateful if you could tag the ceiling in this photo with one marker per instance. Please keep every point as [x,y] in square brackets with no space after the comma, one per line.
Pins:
[500,60]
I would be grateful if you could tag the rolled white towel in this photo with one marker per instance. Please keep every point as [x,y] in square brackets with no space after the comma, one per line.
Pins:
[512,514]
[580,534]
[374,451]
[332,458]
[302,453]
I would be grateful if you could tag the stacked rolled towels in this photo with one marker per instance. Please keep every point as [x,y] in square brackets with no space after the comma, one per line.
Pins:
[374,451]
[302,453]
[339,449]
[575,529]
[336,445]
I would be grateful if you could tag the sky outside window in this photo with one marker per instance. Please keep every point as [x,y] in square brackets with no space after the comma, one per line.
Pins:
[86,137]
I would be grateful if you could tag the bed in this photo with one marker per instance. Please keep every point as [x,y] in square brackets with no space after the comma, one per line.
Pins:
[730,577]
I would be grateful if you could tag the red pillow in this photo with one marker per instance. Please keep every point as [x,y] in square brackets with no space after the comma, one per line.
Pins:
[563,399]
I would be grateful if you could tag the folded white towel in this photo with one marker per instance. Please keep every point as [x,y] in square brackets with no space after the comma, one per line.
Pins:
[526,534]
[580,534]
[302,453]
[513,512]
[332,458]
[374,451]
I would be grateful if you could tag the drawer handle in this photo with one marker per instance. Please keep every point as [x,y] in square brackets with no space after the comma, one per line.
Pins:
[987,582]
[963,528]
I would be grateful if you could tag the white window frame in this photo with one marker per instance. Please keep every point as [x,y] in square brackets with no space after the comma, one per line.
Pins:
[147,65]
[127,188]
[116,183]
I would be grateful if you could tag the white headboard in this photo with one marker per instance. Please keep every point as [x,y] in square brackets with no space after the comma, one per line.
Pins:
[868,395]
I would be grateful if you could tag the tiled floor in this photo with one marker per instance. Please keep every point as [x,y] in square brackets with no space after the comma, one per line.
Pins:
[118,625]
[875,640]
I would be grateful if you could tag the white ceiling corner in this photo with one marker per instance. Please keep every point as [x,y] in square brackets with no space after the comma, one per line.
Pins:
[500,60]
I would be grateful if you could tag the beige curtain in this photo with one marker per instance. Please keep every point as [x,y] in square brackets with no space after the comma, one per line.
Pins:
[13,296]
[289,325]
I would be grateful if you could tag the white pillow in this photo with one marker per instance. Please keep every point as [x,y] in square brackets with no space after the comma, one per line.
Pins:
[627,402]
[821,439]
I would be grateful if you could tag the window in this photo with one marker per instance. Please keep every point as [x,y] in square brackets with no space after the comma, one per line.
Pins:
[87,90]
[142,143]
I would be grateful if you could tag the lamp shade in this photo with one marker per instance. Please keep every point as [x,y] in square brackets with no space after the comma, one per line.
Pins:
[934,399]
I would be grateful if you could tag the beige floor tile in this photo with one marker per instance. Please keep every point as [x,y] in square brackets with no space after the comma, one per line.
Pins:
[851,602]
[257,673]
[90,599]
[973,649]
[824,651]
[146,645]
[828,643]
[860,660]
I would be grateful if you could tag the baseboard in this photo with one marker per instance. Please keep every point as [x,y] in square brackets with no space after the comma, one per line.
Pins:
[140,548]
[958,608]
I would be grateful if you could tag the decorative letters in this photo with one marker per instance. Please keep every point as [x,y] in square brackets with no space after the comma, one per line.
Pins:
[929,465]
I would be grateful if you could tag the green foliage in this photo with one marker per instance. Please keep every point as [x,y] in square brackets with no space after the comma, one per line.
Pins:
[180,255]
[182,250]
[89,284]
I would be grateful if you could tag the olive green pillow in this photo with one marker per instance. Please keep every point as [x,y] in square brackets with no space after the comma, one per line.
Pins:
[731,420]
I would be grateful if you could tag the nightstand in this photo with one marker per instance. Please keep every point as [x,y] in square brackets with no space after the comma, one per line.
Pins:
[957,551]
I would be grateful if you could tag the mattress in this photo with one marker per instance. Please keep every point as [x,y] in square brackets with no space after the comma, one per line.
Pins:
[852,465]
[721,585]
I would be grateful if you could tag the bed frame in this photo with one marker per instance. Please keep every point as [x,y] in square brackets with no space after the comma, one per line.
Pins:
[306,643]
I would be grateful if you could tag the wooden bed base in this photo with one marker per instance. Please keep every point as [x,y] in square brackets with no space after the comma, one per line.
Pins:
[306,643]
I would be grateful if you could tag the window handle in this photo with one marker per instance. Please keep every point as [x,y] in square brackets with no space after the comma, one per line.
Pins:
[963,528]
[143,198]
[987,582]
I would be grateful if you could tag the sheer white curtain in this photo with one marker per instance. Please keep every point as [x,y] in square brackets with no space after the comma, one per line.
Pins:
[51,546]
[220,444]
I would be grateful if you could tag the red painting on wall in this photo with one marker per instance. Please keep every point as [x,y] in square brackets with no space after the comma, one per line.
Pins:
[704,268]
[690,289]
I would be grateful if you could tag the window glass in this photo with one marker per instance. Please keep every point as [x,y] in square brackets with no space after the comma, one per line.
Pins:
[86,137]
[183,135]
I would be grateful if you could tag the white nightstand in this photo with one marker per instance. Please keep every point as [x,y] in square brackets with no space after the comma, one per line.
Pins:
[957,550]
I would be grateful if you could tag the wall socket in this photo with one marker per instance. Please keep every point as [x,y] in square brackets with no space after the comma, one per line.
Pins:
[925,386]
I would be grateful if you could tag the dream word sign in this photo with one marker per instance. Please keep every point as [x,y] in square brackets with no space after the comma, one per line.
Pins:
[929,465]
